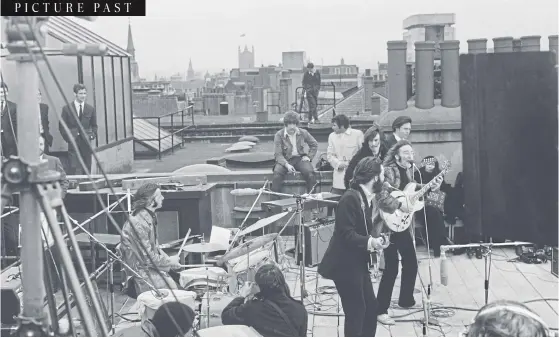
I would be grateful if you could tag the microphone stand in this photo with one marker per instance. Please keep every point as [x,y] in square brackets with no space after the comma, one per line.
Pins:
[487,247]
[300,247]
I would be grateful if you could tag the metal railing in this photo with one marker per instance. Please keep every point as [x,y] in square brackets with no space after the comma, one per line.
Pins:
[173,128]
[301,105]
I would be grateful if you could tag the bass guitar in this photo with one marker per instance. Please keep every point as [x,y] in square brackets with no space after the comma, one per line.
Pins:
[399,221]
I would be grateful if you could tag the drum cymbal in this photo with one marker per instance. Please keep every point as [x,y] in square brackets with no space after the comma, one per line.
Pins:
[263,223]
[203,247]
[249,246]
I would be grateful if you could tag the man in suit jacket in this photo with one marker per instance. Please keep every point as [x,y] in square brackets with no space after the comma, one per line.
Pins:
[51,258]
[311,85]
[9,123]
[401,129]
[80,111]
[44,126]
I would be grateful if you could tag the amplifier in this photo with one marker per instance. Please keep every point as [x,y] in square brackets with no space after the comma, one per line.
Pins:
[317,237]
[554,264]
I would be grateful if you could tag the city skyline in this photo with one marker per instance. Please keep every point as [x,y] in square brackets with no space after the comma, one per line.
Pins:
[356,30]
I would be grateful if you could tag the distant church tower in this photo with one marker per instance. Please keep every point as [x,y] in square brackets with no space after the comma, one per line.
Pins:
[135,71]
[190,72]
[246,58]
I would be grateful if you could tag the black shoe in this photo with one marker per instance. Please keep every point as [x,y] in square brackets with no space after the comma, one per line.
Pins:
[406,305]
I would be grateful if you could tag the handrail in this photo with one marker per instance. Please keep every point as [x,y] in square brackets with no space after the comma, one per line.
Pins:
[188,109]
[300,97]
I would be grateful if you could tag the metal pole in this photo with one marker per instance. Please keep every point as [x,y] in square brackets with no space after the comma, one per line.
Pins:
[28,136]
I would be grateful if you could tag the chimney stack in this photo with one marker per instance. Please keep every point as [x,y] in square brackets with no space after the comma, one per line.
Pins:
[397,98]
[367,72]
[477,46]
[375,105]
[553,43]
[424,74]
[530,43]
[450,71]
[516,45]
[503,44]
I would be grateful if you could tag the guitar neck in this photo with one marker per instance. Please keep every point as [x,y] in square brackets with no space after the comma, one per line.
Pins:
[427,186]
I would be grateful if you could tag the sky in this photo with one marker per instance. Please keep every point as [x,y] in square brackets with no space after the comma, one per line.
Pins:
[209,32]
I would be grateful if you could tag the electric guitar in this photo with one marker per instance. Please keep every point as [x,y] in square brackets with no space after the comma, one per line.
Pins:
[399,221]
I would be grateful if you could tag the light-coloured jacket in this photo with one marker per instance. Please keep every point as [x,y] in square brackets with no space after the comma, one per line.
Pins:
[145,224]
[341,149]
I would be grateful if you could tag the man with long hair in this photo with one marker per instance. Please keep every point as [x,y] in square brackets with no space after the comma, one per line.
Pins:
[372,146]
[267,306]
[357,233]
[290,153]
[139,238]
[398,172]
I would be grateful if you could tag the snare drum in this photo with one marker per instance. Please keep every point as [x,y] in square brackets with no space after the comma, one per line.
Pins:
[218,302]
[229,331]
[195,279]
[149,302]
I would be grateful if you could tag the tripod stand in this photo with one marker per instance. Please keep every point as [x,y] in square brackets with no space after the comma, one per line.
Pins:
[41,187]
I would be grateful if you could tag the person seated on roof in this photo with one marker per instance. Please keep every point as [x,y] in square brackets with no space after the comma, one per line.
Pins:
[290,154]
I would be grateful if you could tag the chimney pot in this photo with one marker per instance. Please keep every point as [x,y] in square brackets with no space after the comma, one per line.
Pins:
[503,44]
[450,73]
[477,46]
[530,43]
[368,86]
[554,43]
[397,75]
[424,74]
[367,72]
[516,45]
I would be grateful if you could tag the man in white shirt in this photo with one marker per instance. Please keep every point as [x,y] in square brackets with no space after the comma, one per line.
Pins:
[343,144]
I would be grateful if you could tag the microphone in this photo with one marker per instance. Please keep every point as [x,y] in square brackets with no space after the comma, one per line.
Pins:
[245,192]
[444,272]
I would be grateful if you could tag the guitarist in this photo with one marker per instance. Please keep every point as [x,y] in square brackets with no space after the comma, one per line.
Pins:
[398,172]
[347,259]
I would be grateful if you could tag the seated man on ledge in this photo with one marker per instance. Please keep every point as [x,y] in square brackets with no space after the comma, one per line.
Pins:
[290,152]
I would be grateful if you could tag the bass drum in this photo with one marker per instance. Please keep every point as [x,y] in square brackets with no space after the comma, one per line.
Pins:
[218,302]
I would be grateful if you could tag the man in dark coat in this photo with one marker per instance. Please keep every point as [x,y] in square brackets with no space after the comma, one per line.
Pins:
[9,123]
[45,129]
[87,117]
[311,85]
[357,233]
[401,129]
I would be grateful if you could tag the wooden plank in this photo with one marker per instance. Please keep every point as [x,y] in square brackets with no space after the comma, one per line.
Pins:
[528,282]
[187,180]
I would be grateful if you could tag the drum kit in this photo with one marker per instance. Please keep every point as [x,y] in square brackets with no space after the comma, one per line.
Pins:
[214,287]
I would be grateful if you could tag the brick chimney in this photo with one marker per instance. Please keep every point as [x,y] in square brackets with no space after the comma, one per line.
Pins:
[397,72]
[477,46]
[450,70]
[530,43]
[503,44]
[516,45]
[375,105]
[424,74]
[553,43]
[368,85]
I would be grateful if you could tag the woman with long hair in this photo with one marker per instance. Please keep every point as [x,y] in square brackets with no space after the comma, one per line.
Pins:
[434,215]
[267,306]
[372,146]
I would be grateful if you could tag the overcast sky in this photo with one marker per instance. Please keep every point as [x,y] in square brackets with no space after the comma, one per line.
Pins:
[209,31]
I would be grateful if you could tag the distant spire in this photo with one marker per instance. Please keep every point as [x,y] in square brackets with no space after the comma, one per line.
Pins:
[190,72]
[130,48]
[246,48]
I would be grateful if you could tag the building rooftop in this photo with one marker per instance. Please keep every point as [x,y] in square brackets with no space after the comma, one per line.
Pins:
[436,19]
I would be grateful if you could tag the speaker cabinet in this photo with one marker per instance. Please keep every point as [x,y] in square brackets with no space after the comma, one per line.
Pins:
[509,139]
[317,238]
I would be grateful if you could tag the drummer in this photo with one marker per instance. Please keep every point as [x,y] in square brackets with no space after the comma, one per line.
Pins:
[267,306]
[143,243]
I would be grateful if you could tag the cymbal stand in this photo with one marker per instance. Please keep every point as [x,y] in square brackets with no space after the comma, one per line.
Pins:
[299,247]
